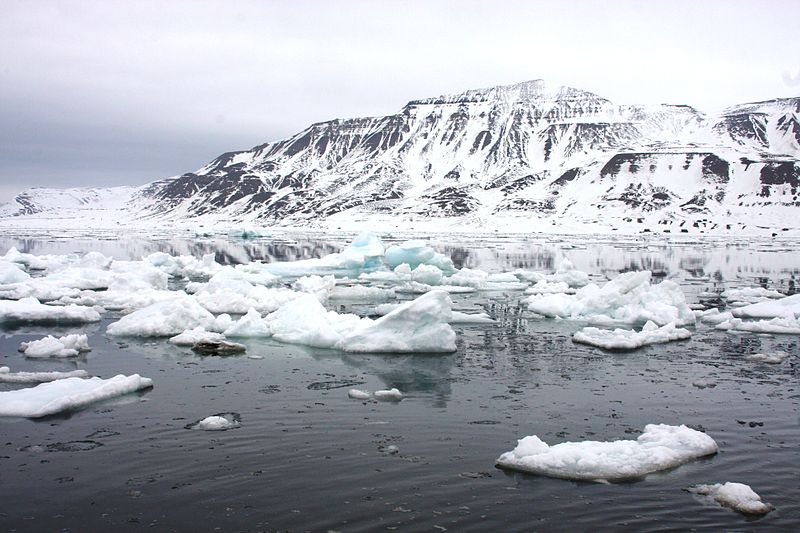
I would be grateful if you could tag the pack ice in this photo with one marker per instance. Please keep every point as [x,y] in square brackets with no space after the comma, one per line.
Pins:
[67,395]
[659,447]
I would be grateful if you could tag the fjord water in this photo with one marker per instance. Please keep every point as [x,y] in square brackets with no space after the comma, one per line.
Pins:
[307,457]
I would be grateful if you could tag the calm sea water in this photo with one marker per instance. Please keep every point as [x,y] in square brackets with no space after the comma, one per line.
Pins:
[307,457]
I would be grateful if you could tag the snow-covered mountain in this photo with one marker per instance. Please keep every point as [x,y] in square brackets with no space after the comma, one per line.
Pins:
[521,157]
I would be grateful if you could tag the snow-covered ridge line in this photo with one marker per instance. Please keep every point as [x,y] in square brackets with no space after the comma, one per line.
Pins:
[523,157]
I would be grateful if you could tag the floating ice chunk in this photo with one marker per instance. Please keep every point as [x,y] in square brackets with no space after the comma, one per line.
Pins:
[703,384]
[305,321]
[361,294]
[737,496]
[216,423]
[357,394]
[321,286]
[660,447]
[250,325]
[750,295]
[239,296]
[628,339]
[465,318]
[11,273]
[713,316]
[364,254]
[388,395]
[31,310]
[67,394]
[567,273]
[190,337]
[66,346]
[415,253]
[550,287]
[628,298]
[417,326]
[426,274]
[788,307]
[483,281]
[164,319]
[774,358]
[414,287]
[785,326]
[6,376]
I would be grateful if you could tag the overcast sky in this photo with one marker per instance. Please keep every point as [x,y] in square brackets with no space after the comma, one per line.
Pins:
[122,93]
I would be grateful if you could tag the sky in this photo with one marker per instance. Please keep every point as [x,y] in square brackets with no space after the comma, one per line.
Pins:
[109,93]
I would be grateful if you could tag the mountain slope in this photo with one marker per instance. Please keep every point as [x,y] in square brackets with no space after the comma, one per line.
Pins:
[523,155]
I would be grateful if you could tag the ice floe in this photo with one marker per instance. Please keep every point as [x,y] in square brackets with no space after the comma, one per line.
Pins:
[67,394]
[749,295]
[30,310]
[420,325]
[784,326]
[66,346]
[11,273]
[787,307]
[6,376]
[737,496]
[628,298]
[164,319]
[250,325]
[659,447]
[628,339]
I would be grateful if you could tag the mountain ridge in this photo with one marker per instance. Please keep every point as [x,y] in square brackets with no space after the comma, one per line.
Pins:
[522,154]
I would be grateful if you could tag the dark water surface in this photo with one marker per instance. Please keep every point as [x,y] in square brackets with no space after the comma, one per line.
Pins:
[307,457]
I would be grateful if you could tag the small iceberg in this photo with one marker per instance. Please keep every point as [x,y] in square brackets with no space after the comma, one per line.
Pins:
[660,447]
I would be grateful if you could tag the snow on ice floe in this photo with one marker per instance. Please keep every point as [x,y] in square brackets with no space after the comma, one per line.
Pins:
[420,325]
[659,447]
[30,310]
[358,293]
[628,298]
[456,317]
[164,319]
[67,395]
[66,346]
[628,339]
[737,496]
[230,294]
[6,376]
